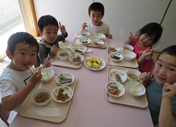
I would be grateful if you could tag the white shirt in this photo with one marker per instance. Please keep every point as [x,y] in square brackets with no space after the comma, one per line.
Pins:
[104,28]
[12,81]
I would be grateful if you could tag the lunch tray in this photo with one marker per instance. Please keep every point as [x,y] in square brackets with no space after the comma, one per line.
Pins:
[123,63]
[77,42]
[66,63]
[28,107]
[126,99]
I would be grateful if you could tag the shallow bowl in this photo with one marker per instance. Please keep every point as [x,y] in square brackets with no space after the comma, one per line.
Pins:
[133,75]
[63,57]
[114,55]
[73,58]
[65,45]
[47,74]
[128,55]
[60,78]
[113,48]
[128,47]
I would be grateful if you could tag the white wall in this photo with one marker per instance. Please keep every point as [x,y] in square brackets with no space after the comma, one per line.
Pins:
[122,16]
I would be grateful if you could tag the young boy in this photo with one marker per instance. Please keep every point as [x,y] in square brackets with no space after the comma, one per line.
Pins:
[96,13]
[161,93]
[48,28]
[17,80]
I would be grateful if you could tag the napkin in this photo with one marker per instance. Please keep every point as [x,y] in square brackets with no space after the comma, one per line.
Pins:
[89,50]
[49,112]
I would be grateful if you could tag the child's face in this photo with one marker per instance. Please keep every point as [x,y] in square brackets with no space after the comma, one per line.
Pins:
[23,55]
[95,17]
[165,69]
[145,40]
[49,34]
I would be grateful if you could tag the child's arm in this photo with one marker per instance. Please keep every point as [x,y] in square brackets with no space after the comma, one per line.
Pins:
[109,36]
[146,53]
[13,101]
[84,25]
[166,118]
[54,49]
[130,39]
[62,29]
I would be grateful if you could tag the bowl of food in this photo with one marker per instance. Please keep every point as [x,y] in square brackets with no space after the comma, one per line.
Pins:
[97,42]
[63,54]
[128,55]
[128,47]
[133,75]
[139,91]
[85,34]
[47,74]
[78,49]
[99,36]
[76,58]
[115,89]
[41,96]
[117,76]
[113,48]
[62,94]
[65,78]
[65,45]
[85,41]
[115,56]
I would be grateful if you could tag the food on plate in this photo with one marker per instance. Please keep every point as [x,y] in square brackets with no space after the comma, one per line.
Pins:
[133,76]
[114,90]
[129,56]
[115,57]
[42,97]
[118,78]
[79,51]
[85,41]
[112,49]
[64,80]
[45,75]
[94,59]
[76,59]
[63,54]
[89,59]
[99,61]
[96,43]
[89,64]
[127,48]
[61,96]
[95,65]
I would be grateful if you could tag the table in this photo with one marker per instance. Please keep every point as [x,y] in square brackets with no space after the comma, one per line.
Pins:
[89,107]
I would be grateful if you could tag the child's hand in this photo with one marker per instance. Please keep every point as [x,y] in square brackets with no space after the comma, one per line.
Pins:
[47,62]
[35,78]
[110,36]
[84,25]
[169,91]
[131,38]
[147,52]
[62,29]
[144,76]
[54,49]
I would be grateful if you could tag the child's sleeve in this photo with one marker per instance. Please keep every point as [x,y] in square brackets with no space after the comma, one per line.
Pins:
[42,54]
[174,107]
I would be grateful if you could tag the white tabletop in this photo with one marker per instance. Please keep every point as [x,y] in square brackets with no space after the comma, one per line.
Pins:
[89,107]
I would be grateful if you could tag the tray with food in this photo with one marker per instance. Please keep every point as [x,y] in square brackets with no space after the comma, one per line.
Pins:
[117,56]
[91,41]
[120,85]
[94,63]
[50,101]
[72,58]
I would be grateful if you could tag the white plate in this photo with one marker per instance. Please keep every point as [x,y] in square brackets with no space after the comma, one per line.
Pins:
[85,41]
[66,89]
[66,75]
[102,66]
[65,45]
[75,56]
[122,75]
[82,49]
[120,87]
[115,54]
[113,46]
[97,42]
[100,36]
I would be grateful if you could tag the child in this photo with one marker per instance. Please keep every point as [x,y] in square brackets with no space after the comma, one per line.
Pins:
[17,80]
[48,28]
[164,73]
[148,36]
[96,13]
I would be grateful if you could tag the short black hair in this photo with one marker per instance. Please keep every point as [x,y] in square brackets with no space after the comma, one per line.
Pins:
[152,29]
[21,37]
[171,50]
[47,20]
[96,6]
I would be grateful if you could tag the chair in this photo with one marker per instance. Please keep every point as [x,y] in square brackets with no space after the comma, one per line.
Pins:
[4,114]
